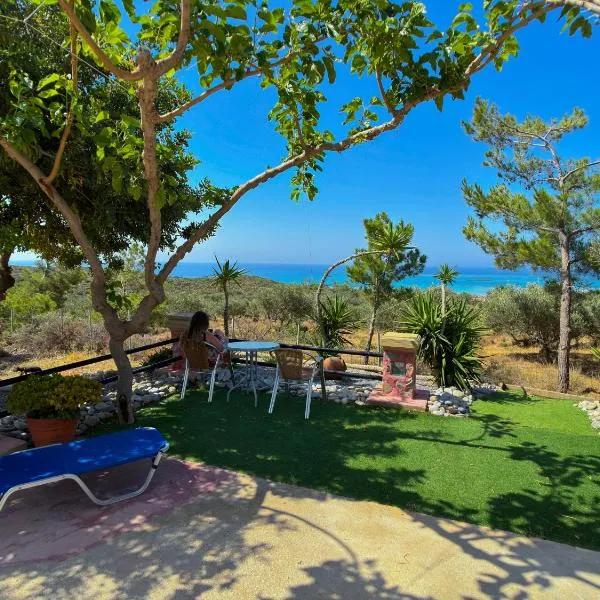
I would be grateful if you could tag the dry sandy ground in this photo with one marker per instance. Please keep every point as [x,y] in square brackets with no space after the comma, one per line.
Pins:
[201,532]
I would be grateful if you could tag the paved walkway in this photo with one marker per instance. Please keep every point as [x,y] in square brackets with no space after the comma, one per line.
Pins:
[201,532]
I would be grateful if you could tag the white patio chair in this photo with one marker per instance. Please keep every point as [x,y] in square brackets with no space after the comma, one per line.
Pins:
[291,367]
[196,357]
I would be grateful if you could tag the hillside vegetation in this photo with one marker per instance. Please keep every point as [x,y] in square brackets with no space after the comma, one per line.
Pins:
[48,319]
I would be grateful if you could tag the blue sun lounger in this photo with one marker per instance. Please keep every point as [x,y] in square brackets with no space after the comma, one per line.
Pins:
[49,464]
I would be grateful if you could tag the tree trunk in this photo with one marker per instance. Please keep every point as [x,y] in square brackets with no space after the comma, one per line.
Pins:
[125,381]
[226,312]
[443,300]
[318,311]
[564,343]
[371,333]
[6,278]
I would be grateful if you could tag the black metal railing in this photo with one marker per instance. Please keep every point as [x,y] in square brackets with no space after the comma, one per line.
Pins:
[87,361]
[167,361]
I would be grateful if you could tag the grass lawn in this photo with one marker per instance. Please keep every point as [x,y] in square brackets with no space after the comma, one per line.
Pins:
[527,465]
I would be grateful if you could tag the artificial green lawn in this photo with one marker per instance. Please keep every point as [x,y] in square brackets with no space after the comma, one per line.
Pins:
[527,465]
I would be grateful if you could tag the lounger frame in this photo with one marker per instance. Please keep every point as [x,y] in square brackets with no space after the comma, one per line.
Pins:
[99,501]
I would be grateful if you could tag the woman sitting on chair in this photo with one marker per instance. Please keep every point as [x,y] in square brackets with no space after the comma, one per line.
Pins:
[203,350]
[199,331]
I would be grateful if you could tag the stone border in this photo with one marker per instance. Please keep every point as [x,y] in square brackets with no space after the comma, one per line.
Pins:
[592,409]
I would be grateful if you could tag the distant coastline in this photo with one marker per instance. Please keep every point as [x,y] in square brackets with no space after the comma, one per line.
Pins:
[472,280]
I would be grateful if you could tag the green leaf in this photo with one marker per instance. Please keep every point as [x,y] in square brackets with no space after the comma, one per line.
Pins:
[101,116]
[439,102]
[86,16]
[129,8]
[109,11]
[48,80]
[359,63]
[236,12]
[131,121]
[329,66]
[50,93]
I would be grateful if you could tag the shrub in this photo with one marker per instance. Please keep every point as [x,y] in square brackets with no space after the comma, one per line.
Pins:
[448,343]
[55,333]
[338,321]
[589,308]
[158,356]
[53,396]
[529,315]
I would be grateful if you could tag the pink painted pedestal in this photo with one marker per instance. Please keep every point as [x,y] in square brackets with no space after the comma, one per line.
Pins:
[398,380]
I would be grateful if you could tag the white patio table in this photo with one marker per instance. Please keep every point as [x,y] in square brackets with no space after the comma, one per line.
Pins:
[250,349]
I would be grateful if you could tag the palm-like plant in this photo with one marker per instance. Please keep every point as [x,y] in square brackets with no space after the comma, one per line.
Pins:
[338,320]
[449,341]
[596,353]
[446,276]
[223,275]
[384,237]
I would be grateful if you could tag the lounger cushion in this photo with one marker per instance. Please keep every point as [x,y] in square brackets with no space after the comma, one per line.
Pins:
[80,456]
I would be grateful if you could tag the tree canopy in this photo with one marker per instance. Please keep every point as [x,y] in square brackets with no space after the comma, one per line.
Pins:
[297,52]
[112,215]
[541,195]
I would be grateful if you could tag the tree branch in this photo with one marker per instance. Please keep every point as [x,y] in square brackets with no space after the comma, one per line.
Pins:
[70,117]
[361,136]
[171,61]
[227,84]
[108,64]
[592,6]
[584,230]
[522,20]
[577,169]
[335,265]
[544,144]
[74,222]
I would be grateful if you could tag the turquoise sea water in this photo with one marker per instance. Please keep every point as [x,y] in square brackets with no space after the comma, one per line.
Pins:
[472,280]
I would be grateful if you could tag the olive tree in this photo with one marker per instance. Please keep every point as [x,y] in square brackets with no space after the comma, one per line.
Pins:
[294,51]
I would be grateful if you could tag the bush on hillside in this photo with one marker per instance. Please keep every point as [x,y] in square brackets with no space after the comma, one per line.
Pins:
[55,333]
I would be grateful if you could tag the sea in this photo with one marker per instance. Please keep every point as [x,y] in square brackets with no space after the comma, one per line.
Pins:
[472,280]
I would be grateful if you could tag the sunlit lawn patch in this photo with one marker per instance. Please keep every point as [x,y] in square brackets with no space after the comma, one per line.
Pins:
[527,465]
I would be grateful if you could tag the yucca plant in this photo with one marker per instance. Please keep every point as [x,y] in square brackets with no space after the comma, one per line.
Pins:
[449,341]
[338,320]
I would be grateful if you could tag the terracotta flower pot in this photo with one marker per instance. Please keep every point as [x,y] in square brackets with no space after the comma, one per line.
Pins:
[334,363]
[51,431]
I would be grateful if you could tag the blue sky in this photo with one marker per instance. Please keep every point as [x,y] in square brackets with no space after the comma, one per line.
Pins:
[412,173]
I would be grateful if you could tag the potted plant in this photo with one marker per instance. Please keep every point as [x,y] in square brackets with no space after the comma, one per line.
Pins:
[51,405]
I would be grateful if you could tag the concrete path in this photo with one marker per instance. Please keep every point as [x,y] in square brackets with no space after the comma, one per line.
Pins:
[201,532]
